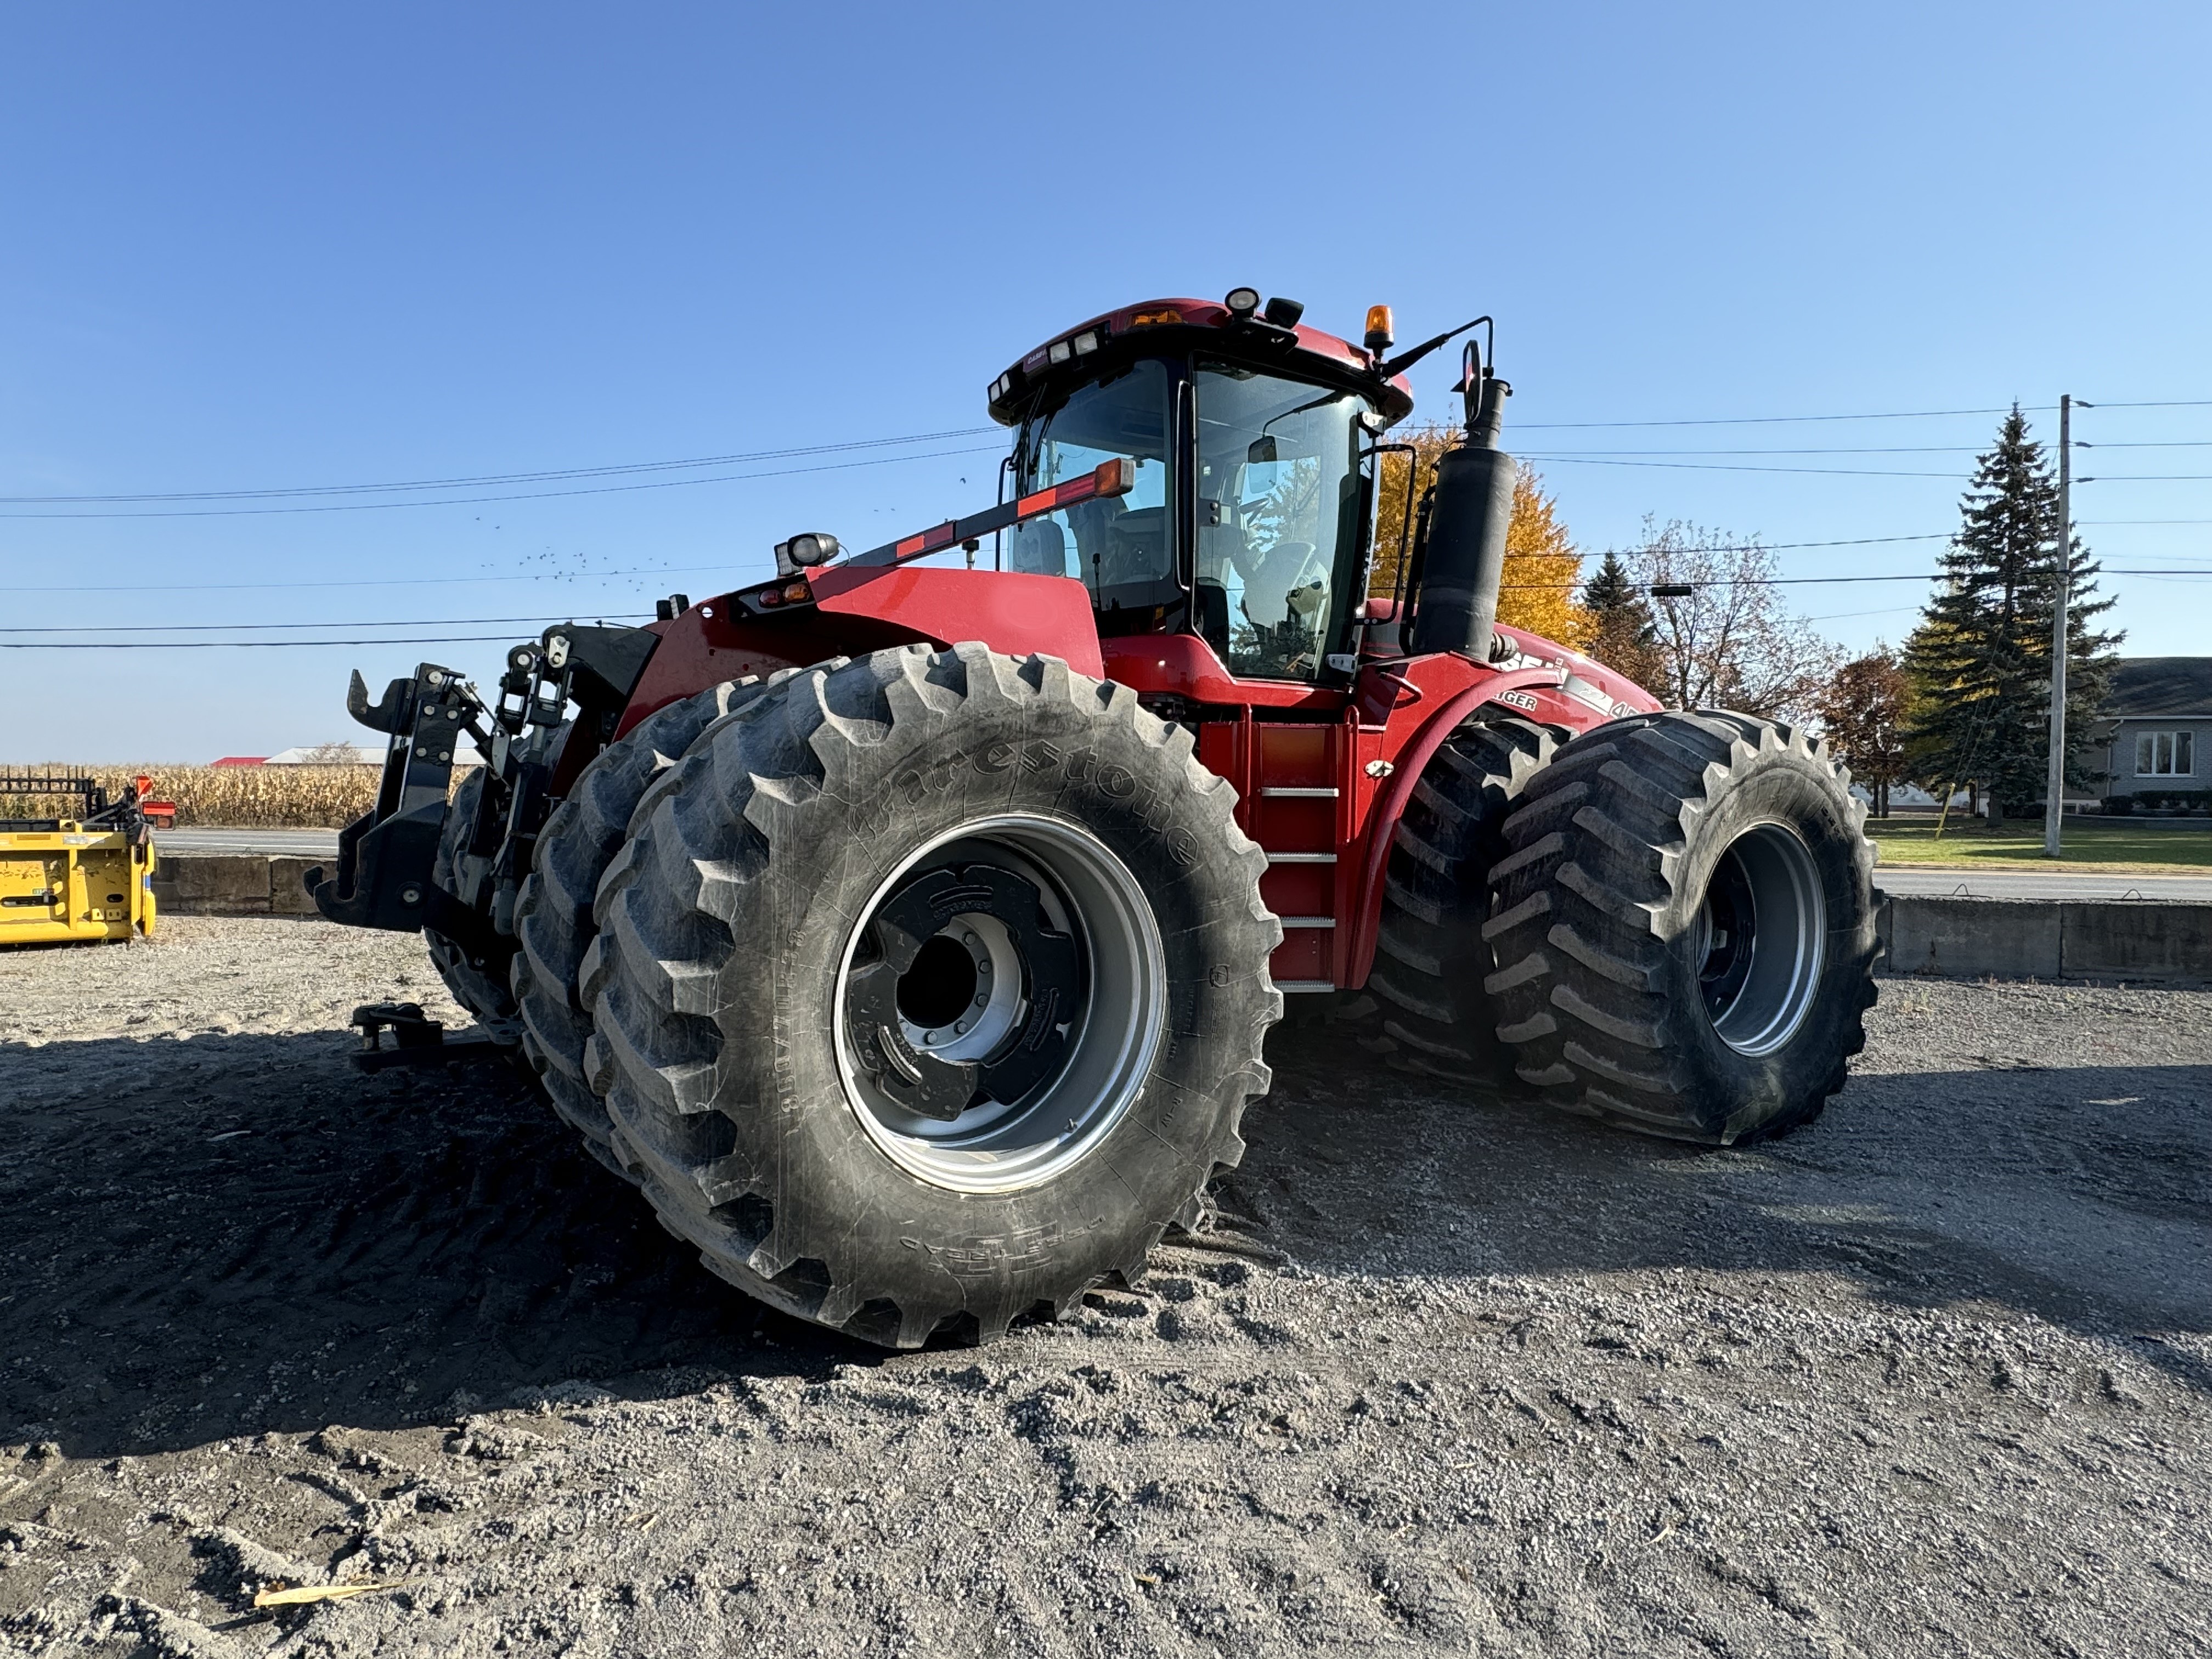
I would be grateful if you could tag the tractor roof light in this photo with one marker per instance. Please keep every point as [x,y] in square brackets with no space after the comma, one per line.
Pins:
[1285,314]
[814,547]
[1242,302]
[1382,330]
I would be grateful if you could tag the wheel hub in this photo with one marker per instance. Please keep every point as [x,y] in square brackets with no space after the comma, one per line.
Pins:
[1000,999]
[1760,938]
[969,995]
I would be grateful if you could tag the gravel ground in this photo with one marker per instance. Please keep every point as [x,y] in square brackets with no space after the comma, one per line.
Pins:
[1930,1377]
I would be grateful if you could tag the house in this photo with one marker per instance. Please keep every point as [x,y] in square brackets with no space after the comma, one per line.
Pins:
[239,760]
[2150,740]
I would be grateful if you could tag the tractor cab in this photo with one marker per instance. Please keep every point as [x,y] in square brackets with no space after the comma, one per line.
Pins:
[1247,442]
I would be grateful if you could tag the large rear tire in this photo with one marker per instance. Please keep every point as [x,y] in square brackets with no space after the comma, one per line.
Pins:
[553,922]
[474,985]
[1430,959]
[1684,928]
[801,1027]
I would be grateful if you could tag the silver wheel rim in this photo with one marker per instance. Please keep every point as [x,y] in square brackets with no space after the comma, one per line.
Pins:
[1759,938]
[1084,891]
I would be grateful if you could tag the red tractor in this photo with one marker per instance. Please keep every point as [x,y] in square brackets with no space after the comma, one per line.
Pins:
[908,934]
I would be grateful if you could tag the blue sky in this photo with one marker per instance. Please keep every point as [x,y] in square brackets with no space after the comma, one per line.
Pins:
[257,247]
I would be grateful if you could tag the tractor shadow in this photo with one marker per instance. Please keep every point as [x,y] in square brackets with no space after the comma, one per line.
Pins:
[2079,1195]
[237,1235]
[230,1236]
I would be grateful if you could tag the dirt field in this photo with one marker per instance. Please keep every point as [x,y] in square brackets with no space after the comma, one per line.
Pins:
[1931,1377]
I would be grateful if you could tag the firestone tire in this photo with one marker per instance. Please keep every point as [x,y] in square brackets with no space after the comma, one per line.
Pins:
[788,871]
[1430,958]
[553,922]
[476,990]
[1684,928]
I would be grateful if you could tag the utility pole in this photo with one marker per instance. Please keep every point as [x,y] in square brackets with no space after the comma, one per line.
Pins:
[2054,809]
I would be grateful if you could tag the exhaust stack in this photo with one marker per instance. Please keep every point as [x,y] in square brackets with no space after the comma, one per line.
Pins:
[1464,561]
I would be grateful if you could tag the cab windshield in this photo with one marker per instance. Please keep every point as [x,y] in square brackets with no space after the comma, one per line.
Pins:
[1121,549]
[1278,520]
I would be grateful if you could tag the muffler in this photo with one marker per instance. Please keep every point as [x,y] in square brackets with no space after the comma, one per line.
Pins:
[1464,560]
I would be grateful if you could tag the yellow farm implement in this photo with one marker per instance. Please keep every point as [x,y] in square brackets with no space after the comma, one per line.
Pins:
[89,876]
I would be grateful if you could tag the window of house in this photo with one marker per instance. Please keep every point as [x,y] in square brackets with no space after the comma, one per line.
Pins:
[2165,755]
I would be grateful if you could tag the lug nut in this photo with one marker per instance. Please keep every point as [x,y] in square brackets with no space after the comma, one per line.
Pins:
[983,1002]
[962,1028]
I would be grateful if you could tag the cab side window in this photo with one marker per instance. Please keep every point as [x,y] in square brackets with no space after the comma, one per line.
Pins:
[1278,494]
[1121,549]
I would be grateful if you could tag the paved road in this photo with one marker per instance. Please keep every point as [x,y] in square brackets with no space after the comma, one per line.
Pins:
[294,843]
[2043,885]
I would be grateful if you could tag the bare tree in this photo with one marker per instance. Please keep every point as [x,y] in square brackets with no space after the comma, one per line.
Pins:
[336,753]
[1731,643]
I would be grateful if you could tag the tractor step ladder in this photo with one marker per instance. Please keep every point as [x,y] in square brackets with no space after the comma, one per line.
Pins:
[1296,816]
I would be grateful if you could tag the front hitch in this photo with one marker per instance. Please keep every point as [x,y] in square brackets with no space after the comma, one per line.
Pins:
[386,856]
[385,876]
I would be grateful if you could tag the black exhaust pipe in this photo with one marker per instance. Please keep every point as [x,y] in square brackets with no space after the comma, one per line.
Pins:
[1464,559]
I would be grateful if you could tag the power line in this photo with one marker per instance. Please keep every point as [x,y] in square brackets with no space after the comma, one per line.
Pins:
[526,496]
[491,479]
[1708,466]
[724,569]
[240,627]
[385,581]
[746,458]
[219,645]
[1900,414]
[1837,471]
[1770,420]
[1905,449]
[478,639]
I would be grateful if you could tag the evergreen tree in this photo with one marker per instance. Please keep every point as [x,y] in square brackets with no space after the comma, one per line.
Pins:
[1980,662]
[1621,631]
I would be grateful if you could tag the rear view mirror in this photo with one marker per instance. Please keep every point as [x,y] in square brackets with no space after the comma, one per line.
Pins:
[1262,449]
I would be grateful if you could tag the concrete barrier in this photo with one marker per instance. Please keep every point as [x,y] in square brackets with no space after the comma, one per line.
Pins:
[232,885]
[287,894]
[2128,939]
[1973,937]
[211,886]
[2138,940]
[2132,939]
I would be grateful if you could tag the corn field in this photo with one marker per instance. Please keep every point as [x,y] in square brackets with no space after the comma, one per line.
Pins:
[228,797]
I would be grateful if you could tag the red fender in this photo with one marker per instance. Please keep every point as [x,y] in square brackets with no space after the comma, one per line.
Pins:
[1406,767]
[868,609]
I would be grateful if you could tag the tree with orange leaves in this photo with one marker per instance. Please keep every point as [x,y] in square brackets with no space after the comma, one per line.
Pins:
[1542,569]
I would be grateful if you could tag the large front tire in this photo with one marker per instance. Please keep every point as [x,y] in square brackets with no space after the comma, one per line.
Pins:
[475,985]
[553,920]
[799,1031]
[1683,927]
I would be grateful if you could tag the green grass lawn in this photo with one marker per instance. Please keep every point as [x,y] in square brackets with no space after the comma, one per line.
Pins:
[2090,844]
